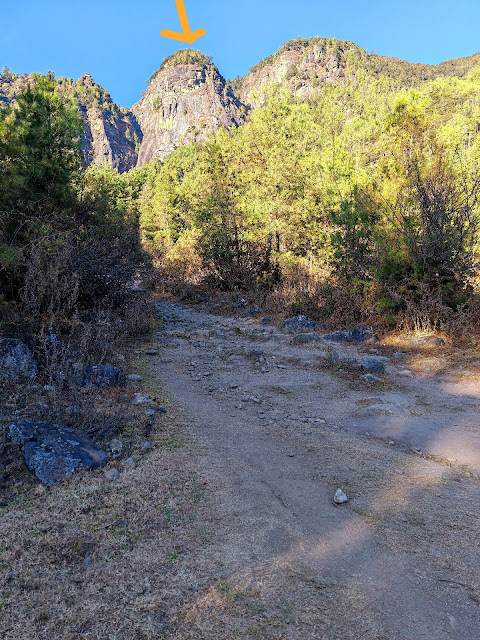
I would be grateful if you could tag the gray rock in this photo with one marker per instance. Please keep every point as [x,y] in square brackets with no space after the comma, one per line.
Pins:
[100,375]
[374,365]
[16,361]
[140,398]
[217,333]
[306,338]
[133,377]
[151,352]
[297,324]
[370,378]
[340,497]
[254,311]
[87,562]
[358,334]
[426,341]
[266,320]
[53,452]
[150,412]
[116,446]
[112,474]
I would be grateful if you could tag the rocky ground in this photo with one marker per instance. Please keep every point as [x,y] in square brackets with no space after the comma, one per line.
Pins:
[224,525]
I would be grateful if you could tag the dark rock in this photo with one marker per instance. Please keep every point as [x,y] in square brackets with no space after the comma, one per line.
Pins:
[297,324]
[358,334]
[256,353]
[305,338]
[266,320]
[374,365]
[426,341]
[16,361]
[53,452]
[100,375]
[254,311]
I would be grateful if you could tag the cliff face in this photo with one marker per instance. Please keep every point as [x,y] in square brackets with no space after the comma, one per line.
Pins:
[303,66]
[187,98]
[183,103]
[111,133]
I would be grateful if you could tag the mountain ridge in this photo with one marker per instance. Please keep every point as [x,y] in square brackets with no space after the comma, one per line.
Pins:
[187,97]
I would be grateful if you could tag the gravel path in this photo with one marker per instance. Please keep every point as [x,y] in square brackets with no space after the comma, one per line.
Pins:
[280,428]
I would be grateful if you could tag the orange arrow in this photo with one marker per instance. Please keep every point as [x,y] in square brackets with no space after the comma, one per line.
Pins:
[187,35]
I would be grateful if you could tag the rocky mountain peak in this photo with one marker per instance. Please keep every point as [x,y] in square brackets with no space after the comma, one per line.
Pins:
[86,80]
[186,99]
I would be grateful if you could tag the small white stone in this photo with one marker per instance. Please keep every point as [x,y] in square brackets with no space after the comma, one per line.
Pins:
[340,497]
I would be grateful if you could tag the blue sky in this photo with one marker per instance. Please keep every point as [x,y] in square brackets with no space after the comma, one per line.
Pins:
[119,42]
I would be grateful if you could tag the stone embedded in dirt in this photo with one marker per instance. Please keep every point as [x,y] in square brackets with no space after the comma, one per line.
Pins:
[112,474]
[256,353]
[405,373]
[426,341]
[53,452]
[100,375]
[140,398]
[133,377]
[116,446]
[151,352]
[340,497]
[370,378]
[346,361]
[305,338]
[16,361]
[358,334]
[374,365]
[150,412]
[297,324]
[254,311]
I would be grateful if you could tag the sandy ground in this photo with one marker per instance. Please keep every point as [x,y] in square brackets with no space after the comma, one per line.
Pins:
[225,527]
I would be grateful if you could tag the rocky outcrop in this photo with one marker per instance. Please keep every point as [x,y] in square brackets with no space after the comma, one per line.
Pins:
[303,66]
[111,133]
[16,361]
[54,453]
[183,103]
[187,98]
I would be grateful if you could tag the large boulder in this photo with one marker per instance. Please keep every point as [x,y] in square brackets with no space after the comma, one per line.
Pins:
[358,334]
[16,361]
[297,324]
[53,452]
[430,340]
[374,365]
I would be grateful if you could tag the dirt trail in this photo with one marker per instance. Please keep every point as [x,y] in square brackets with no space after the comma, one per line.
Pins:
[279,433]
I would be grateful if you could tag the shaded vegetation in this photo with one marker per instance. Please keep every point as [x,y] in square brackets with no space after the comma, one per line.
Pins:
[358,204]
